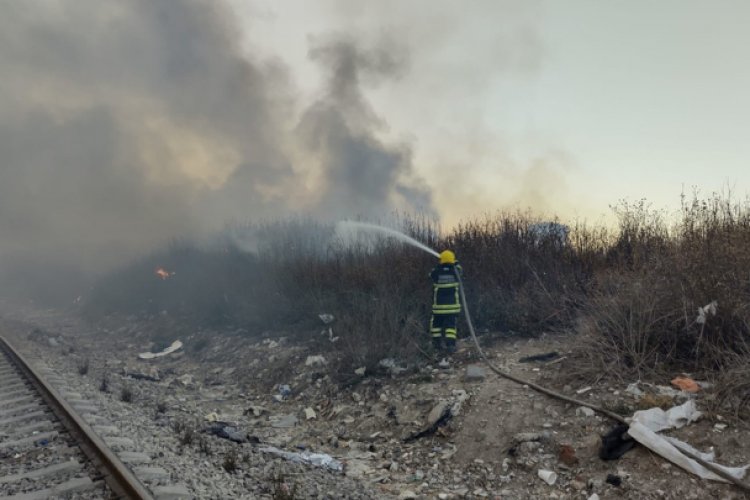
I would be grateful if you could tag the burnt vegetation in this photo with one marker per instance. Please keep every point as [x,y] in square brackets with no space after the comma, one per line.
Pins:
[632,292]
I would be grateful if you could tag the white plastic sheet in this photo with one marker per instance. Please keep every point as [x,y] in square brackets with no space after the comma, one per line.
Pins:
[169,350]
[677,417]
[646,424]
[319,459]
[665,446]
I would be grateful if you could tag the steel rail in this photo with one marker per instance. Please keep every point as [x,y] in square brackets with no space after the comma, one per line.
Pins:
[118,477]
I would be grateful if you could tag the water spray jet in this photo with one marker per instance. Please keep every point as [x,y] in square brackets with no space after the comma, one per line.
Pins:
[346,229]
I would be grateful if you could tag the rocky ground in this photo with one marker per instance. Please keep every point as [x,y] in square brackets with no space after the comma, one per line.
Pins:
[233,417]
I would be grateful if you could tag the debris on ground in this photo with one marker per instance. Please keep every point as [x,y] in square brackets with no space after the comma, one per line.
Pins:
[646,424]
[548,476]
[616,443]
[676,417]
[548,356]
[175,346]
[474,373]
[150,376]
[318,459]
[567,455]
[585,411]
[686,384]
[327,319]
[613,479]
[315,361]
[391,365]
[226,430]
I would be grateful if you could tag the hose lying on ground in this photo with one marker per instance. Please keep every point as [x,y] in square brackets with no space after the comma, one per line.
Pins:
[614,416]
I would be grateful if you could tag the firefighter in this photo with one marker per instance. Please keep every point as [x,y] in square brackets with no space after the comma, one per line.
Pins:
[446,305]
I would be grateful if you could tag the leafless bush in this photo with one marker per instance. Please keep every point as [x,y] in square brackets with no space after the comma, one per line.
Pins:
[673,299]
[83,367]
[188,436]
[636,289]
[179,425]
[281,489]
[231,460]
[126,394]
[204,445]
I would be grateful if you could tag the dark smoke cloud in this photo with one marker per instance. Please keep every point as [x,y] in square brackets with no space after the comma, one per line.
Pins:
[124,124]
[362,175]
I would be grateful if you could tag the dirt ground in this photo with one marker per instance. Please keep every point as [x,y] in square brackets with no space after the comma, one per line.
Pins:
[499,435]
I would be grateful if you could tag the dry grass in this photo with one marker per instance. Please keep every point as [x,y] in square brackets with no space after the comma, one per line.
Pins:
[633,291]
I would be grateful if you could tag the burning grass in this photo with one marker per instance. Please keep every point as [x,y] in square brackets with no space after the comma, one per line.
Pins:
[633,291]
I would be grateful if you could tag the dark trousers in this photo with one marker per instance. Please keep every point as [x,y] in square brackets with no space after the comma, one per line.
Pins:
[443,325]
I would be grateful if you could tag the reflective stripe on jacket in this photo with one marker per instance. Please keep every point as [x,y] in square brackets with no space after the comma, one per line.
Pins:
[445,297]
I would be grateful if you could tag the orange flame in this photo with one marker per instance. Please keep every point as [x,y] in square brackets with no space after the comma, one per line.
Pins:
[162,273]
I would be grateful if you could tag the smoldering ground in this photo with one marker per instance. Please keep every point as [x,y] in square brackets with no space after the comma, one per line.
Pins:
[125,124]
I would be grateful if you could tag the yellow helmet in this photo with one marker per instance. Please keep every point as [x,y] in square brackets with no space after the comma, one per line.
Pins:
[447,257]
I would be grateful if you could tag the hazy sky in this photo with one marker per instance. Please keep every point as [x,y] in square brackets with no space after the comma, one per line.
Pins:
[564,106]
[124,124]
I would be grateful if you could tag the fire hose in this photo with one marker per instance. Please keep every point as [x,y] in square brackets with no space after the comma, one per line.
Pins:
[614,416]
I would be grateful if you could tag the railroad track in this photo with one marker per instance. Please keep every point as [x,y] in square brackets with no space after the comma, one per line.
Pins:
[47,450]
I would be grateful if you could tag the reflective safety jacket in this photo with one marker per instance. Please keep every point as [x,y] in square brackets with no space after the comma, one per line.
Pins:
[445,297]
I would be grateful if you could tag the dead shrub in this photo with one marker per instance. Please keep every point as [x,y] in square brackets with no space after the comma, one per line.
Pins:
[204,445]
[281,489]
[231,461]
[126,394]
[83,367]
[104,383]
[672,300]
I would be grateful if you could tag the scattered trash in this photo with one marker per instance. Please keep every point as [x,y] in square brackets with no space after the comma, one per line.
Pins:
[613,479]
[438,417]
[391,366]
[670,448]
[310,414]
[657,419]
[686,384]
[567,455]
[176,345]
[444,364]
[283,421]
[719,427]
[583,390]
[705,311]
[585,411]
[42,442]
[360,371]
[305,457]
[212,417]
[317,360]
[526,437]
[548,356]
[144,376]
[593,496]
[547,476]
[616,443]
[474,372]
[285,390]
[634,390]
[437,412]
[257,411]
[327,319]
[646,424]
[226,430]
